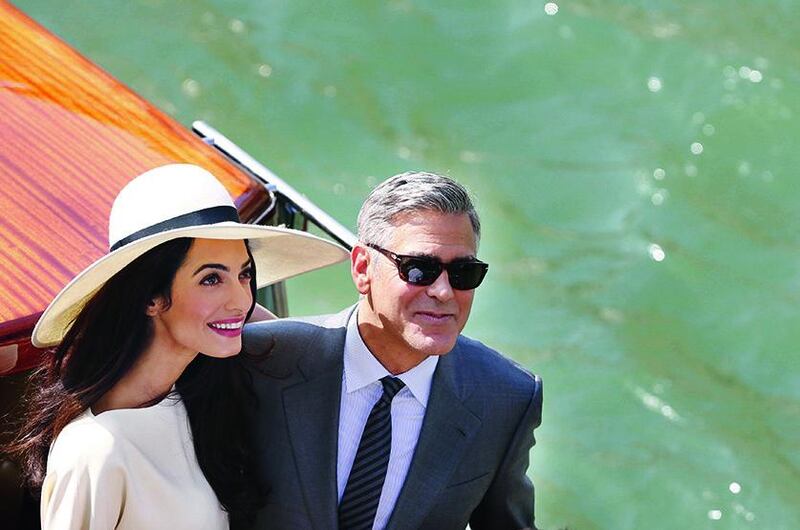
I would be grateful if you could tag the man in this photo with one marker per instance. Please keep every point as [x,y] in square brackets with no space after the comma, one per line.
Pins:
[384,416]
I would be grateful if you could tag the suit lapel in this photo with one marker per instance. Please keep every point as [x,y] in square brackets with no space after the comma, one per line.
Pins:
[447,429]
[312,416]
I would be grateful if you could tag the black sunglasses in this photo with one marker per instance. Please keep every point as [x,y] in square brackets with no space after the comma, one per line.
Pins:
[422,270]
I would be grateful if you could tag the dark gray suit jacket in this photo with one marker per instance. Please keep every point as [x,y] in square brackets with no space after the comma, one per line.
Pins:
[470,462]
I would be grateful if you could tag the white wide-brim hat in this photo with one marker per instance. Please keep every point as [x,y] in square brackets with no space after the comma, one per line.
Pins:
[170,202]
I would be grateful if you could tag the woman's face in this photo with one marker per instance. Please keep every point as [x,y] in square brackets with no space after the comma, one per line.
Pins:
[210,300]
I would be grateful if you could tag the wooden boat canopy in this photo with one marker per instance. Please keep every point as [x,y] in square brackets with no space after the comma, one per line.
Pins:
[71,136]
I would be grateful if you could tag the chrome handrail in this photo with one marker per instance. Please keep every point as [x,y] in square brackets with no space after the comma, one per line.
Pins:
[274,184]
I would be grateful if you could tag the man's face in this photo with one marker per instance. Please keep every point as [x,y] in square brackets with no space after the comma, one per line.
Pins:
[419,320]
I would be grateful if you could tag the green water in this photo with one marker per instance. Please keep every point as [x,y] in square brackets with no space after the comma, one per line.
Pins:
[598,141]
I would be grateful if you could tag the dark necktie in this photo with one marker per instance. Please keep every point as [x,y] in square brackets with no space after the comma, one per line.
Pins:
[363,490]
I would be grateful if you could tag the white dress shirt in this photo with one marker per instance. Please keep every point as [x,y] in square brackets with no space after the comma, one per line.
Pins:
[361,389]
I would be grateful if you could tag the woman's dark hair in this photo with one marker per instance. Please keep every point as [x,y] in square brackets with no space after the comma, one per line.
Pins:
[106,338]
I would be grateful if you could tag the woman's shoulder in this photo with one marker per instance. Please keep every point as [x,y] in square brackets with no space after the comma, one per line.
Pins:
[85,442]
[86,477]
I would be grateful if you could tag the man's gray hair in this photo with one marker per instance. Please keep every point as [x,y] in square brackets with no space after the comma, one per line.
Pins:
[411,192]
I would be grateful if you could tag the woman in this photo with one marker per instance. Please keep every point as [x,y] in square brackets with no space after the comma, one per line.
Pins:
[136,421]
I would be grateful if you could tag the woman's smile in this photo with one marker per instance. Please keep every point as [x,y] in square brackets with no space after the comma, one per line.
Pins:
[231,327]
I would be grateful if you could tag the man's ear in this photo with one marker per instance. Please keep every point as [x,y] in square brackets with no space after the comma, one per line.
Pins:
[155,307]
[359,268]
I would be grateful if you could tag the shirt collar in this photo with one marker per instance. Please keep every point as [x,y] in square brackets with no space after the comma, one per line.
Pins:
[361,368]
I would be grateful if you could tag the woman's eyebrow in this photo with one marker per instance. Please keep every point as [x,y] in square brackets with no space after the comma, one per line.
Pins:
[219,266]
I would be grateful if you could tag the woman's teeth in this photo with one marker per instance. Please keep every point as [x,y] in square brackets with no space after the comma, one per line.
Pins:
[233,325]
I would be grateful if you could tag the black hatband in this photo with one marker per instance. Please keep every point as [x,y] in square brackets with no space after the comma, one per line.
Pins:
[216,214]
